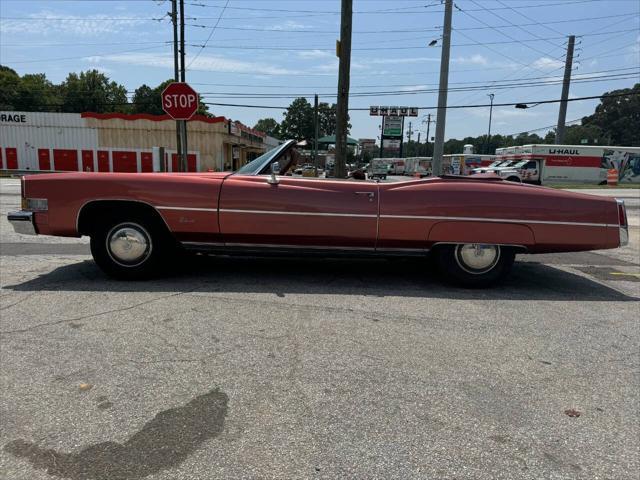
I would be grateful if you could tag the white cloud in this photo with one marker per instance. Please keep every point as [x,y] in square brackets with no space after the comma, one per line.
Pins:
[386,61]
[315,54]
[413,88]
[475,59]
[546,63]
[45,23]
[289,25]
[502,113]
[210,63]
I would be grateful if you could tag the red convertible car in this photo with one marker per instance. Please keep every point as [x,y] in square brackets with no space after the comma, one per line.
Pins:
[473,226]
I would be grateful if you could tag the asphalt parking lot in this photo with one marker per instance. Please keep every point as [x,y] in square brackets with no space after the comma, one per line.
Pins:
[310,368]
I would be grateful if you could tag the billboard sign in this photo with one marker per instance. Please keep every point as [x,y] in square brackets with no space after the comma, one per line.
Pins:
[392,126]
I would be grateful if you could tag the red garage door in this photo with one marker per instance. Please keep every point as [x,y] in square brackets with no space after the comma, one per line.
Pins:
[146,162]
[103,161]
[65,160]
[87,160]
[44,159]
[124,162]
[1,160]
[191,162]
[11,157]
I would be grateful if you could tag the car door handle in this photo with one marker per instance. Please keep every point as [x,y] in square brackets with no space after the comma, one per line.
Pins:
[368,194]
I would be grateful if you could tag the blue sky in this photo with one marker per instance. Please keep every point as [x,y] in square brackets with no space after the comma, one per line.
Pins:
[287,48]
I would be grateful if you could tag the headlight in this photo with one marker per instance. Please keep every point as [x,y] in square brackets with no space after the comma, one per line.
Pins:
[35,204]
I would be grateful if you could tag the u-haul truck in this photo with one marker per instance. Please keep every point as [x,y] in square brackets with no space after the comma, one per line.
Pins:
[543,164]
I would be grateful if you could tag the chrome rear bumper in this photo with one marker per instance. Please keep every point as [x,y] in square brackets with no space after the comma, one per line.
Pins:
[22,222]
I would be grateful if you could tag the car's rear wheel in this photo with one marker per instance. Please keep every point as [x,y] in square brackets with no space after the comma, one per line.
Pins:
[474,265]
[130,248]
[514,179]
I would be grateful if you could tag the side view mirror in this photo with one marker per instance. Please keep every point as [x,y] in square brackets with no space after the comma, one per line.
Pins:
[275,170]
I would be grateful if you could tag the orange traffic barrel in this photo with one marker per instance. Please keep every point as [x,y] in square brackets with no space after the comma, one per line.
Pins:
[612,177]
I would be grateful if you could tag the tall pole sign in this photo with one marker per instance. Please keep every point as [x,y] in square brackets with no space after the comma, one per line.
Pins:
[392,125]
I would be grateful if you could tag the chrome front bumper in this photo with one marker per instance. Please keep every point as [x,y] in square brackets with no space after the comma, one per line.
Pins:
[22,222]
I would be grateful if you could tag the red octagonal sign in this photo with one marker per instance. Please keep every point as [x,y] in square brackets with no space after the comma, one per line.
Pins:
[180,101]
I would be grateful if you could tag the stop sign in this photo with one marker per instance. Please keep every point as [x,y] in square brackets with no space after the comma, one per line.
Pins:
[180,101]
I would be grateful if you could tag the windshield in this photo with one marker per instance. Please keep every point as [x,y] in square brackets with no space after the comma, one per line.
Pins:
[257,165]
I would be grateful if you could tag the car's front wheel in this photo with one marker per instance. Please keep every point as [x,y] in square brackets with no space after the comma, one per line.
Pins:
[129,248]
[474,265]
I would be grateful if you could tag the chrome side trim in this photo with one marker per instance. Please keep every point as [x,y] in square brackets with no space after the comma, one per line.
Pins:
[22,222]
[496,220]
[311,214]
[270,247]
[159,207]
[301,247]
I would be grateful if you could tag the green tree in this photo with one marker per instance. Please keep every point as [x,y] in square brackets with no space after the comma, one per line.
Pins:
[29,93]
[298,120]
[618,118]
[146,100]
[268,126]
[9,83]
[91,91]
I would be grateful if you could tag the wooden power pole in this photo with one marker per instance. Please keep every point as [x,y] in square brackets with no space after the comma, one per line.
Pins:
[343,50]
[183,71]
[562,114]
[176,77]
[438,146]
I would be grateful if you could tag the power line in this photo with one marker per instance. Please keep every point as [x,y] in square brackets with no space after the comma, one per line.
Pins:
[86,56]
[621,76]
[538,102]
[541,128]
[499,31]
[464,86]
[405,30]
[210,34]
[524,29]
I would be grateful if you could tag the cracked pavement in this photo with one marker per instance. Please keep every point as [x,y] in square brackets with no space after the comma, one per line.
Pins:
[312,368]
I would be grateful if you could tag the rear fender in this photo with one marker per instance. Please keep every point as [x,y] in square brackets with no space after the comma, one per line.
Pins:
[495,233]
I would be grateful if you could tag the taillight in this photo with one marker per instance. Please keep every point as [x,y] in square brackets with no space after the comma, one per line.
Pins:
[622,213]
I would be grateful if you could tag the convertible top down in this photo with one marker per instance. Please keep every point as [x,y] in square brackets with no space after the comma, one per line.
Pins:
[473,225]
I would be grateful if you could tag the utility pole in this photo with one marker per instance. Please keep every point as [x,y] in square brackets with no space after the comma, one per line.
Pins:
[491,95]
[343,50]
[562,115]
[409,135]
[428,126]
[438,147]
[315,131]
[183,157]
[176,77]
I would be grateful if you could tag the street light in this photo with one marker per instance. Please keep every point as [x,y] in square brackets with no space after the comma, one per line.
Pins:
[524,105]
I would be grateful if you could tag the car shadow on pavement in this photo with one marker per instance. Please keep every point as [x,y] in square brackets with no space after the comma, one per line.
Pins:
[411,278]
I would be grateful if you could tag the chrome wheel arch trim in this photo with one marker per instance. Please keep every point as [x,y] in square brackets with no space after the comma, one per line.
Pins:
[97,200]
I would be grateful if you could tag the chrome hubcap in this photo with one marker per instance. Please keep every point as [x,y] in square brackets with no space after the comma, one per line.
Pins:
[477,258]
[128,244]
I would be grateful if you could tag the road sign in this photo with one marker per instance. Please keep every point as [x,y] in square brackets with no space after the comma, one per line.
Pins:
[392,126]
[180,101]
[393,111]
